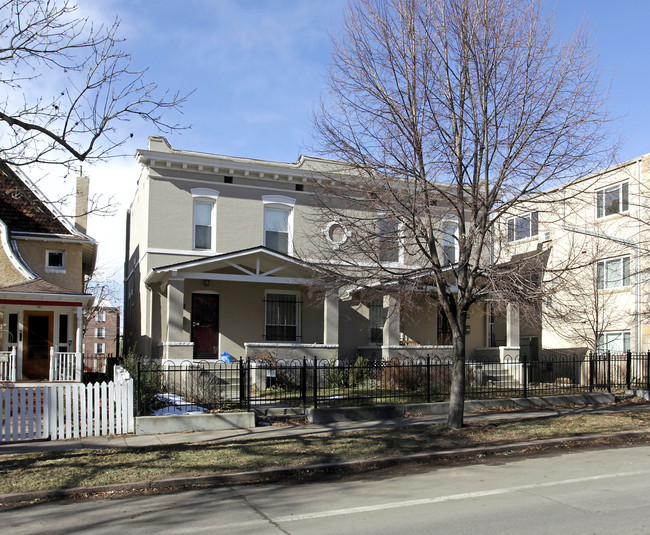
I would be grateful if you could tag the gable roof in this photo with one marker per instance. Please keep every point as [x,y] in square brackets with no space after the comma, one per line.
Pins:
[22,210]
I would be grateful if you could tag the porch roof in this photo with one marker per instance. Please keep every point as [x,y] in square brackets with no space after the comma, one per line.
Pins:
[41,290]
[257,264]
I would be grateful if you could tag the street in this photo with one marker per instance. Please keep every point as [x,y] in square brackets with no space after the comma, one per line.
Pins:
[602,491]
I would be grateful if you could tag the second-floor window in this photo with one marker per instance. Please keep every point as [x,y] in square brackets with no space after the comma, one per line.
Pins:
[100,332]
[277,228]
[612,200]
[388,240]
[101,316]
[203,223]
[523,226]
[449,242]
[613,273]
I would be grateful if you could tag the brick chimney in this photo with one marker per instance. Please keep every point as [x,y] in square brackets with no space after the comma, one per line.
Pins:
[81,204]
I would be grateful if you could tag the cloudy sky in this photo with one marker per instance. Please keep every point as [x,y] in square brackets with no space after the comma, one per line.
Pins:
[257,69]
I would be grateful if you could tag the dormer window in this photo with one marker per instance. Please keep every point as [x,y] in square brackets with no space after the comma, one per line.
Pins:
[55,261]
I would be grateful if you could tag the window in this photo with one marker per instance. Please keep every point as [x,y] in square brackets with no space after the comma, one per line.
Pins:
[276,228]
[614,342]
[449,242]
[203,232]
[55,261]
[205,200]
[376,317]
[281,318]
[278,223]
[614,273]
[612,200]
[522,227]
[63,333]
[100,332]
[101,316]
[388,240]
[100,348]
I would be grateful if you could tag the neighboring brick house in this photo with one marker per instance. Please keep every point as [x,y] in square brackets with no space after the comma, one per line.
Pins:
[102,333]
[43,261]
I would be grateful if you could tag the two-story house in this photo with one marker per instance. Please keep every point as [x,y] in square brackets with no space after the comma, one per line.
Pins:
[594,236]
[218,259]
[43,260]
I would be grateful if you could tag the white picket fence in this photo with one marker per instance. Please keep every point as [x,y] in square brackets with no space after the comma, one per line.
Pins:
[71,410]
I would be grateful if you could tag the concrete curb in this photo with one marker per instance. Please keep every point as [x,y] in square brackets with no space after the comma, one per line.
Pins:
[277,474]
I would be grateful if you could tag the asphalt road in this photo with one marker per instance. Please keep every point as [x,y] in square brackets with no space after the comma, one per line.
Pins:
[589,492]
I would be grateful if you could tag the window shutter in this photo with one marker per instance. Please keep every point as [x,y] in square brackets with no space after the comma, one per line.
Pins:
[626,271]
[511,229]
[625,203]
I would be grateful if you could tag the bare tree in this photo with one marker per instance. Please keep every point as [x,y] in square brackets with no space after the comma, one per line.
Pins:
[448,113]
[105,290]
[67,85]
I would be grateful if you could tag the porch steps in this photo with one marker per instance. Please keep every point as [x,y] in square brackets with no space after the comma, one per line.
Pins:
[500,375]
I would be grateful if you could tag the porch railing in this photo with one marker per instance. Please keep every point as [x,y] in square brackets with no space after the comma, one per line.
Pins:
[65,366]
[8,365]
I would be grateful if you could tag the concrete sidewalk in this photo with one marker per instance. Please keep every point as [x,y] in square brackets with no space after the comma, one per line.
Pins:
[275,431]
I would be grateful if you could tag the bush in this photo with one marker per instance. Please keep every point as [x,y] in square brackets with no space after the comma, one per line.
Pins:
[149,385]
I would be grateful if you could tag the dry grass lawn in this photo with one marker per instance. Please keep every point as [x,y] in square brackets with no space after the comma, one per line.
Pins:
[36,471]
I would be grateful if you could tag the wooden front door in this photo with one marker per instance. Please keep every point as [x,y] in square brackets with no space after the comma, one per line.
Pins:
[37,341]
[205,325]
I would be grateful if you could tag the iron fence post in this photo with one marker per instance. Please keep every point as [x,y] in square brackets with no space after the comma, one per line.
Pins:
[609,372]
[428,379]
[137,389]
[248,383]
[628,371]
[524,375]
[591,372]
[315,380]
[303,381]
[647,371]
[242,384]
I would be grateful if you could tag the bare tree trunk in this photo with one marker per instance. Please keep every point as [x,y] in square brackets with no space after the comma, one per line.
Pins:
[457,394]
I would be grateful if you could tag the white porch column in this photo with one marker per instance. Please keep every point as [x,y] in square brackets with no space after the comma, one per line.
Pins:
[177,344]
[512,325]
[80,331]
[391,325]
[331,317]
[175,295]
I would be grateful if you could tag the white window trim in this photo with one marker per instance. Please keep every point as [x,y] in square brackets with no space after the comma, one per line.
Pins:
[298,322]
[514,226]
[97,351]
[619,185]
[100,332]
[279,202]
[604,263]
[207,196]
[455,235]
[619,334]
[54,269]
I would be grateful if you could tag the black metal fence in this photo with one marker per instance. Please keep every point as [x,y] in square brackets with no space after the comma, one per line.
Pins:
[203,386]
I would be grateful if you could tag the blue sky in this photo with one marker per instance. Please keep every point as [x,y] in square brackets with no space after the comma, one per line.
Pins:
[258,69]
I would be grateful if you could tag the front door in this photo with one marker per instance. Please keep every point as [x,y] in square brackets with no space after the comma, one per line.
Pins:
[205,325]
[36,344]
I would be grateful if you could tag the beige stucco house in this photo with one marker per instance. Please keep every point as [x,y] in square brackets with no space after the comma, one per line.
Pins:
[594,236]
[43,261]
[217,260]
